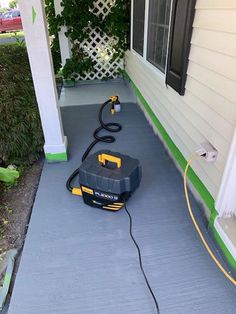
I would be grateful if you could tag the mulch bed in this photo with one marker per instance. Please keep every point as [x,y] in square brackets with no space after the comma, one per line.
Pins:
[15,207]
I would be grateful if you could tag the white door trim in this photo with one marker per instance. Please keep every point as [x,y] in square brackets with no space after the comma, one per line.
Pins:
[226,199]
[145,35]
[131,25]
[225,238]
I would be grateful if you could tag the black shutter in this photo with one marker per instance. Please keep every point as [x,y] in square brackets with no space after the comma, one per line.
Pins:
[179,43]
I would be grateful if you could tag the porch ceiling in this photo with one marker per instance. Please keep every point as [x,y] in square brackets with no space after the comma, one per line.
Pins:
[79,259]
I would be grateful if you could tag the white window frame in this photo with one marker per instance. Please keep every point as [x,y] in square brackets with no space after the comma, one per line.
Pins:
[143,58]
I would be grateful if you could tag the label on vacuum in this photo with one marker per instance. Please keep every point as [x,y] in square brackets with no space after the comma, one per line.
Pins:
[106,196]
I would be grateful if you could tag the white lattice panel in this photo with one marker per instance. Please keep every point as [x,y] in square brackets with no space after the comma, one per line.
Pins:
[99,47]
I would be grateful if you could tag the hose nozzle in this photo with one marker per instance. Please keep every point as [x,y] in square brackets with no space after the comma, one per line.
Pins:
[116,106]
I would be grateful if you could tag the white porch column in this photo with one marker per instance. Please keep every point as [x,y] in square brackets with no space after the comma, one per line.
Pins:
[64,42]
[37,41]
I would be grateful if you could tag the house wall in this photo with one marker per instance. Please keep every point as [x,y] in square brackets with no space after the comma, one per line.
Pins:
[207,111]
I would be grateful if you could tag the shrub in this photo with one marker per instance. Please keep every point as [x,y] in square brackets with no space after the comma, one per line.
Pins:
[54,38]
[13,4]
[3,10]
[21,138]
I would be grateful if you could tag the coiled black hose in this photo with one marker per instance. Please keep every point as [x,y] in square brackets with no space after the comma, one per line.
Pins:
[110,127]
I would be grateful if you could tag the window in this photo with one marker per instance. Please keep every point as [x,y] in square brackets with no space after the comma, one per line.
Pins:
[15,13]
[138,25]
[158,29]
[162,40]
[7,15]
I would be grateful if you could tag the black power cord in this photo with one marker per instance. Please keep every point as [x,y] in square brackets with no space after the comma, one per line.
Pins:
[110,127]
[140,260]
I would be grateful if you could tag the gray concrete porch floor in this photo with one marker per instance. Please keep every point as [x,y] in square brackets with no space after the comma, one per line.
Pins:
[81,260]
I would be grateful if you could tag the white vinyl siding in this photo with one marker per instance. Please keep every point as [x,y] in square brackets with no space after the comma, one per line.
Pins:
[216,4]
[225,44]
[207,111]
[215,20]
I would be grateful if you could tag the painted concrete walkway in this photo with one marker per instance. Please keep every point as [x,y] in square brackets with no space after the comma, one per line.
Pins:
[81,260]
[95,93]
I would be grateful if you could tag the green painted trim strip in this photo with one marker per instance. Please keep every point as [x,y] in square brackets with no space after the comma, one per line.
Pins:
[199,186]
[214,215]
[56,157]
[34,14]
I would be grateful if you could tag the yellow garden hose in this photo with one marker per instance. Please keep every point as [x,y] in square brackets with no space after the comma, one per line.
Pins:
[230,278]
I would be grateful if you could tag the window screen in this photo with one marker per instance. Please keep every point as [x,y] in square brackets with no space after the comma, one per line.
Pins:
[138,25]
[158,28]
[15,13]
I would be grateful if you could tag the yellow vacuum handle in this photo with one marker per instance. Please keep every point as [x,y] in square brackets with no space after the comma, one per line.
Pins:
[105,157]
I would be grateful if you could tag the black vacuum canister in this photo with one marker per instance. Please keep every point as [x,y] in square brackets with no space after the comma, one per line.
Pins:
[107,179]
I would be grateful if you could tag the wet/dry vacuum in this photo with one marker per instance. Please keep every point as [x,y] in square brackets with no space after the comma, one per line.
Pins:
[106,179]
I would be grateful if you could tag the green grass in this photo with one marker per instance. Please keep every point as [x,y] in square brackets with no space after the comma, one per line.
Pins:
[14,34]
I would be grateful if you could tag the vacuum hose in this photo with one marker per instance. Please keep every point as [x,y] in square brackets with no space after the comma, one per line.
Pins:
[110,127]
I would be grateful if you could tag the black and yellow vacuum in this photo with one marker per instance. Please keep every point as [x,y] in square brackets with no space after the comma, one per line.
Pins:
[106,179]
